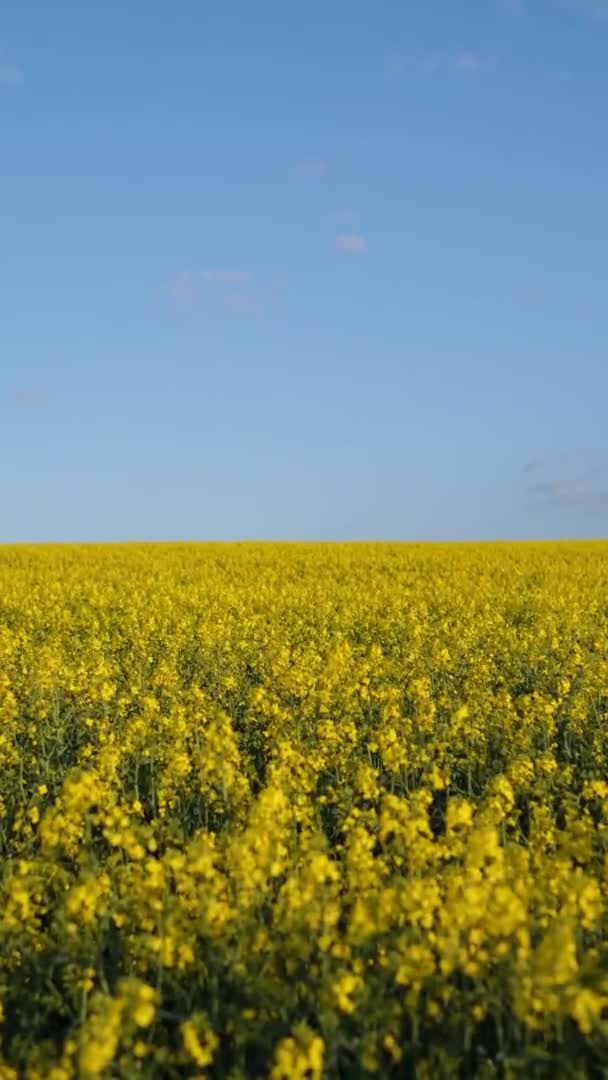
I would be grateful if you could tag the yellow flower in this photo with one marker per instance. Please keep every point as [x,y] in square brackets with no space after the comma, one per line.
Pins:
[459,814]
[199,1039]
[586,1008]
[343,989]
[298,1057]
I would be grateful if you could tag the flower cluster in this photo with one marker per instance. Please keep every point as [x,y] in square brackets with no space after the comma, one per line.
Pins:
[303,811]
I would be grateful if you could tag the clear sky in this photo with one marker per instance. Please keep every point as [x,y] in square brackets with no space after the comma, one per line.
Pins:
[322,270]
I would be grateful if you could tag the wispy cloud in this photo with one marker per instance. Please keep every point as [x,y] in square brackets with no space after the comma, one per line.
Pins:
[226,277]
[468,62]
[10,74]
[533,465]
[310,169]
[536,289]
[589,9]
[430,62]
[25,399]
[394,65]
[209,293]
[572,495]
[351,243]
[577,481]
[596,10]
[512,7]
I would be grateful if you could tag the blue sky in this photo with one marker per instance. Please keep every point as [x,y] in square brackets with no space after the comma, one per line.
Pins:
[306,271]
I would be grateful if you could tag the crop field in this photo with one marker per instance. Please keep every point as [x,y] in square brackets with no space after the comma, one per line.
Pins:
[304,811]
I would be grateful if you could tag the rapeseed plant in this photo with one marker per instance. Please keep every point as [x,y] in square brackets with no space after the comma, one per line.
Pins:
[303,811]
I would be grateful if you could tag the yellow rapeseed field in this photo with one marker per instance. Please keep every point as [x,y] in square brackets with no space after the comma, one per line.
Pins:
[272,810]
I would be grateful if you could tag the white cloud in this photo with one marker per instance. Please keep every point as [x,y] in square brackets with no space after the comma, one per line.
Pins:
[559,493]
[31,399]
[467,61]
[513,7]
[534,465]
[429,62]
[351,243]
[575,481]
[590,9]
[310,169]
[26,399]
[10,75]
[394,64]
[227,277]
[596,10]
[207,293]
